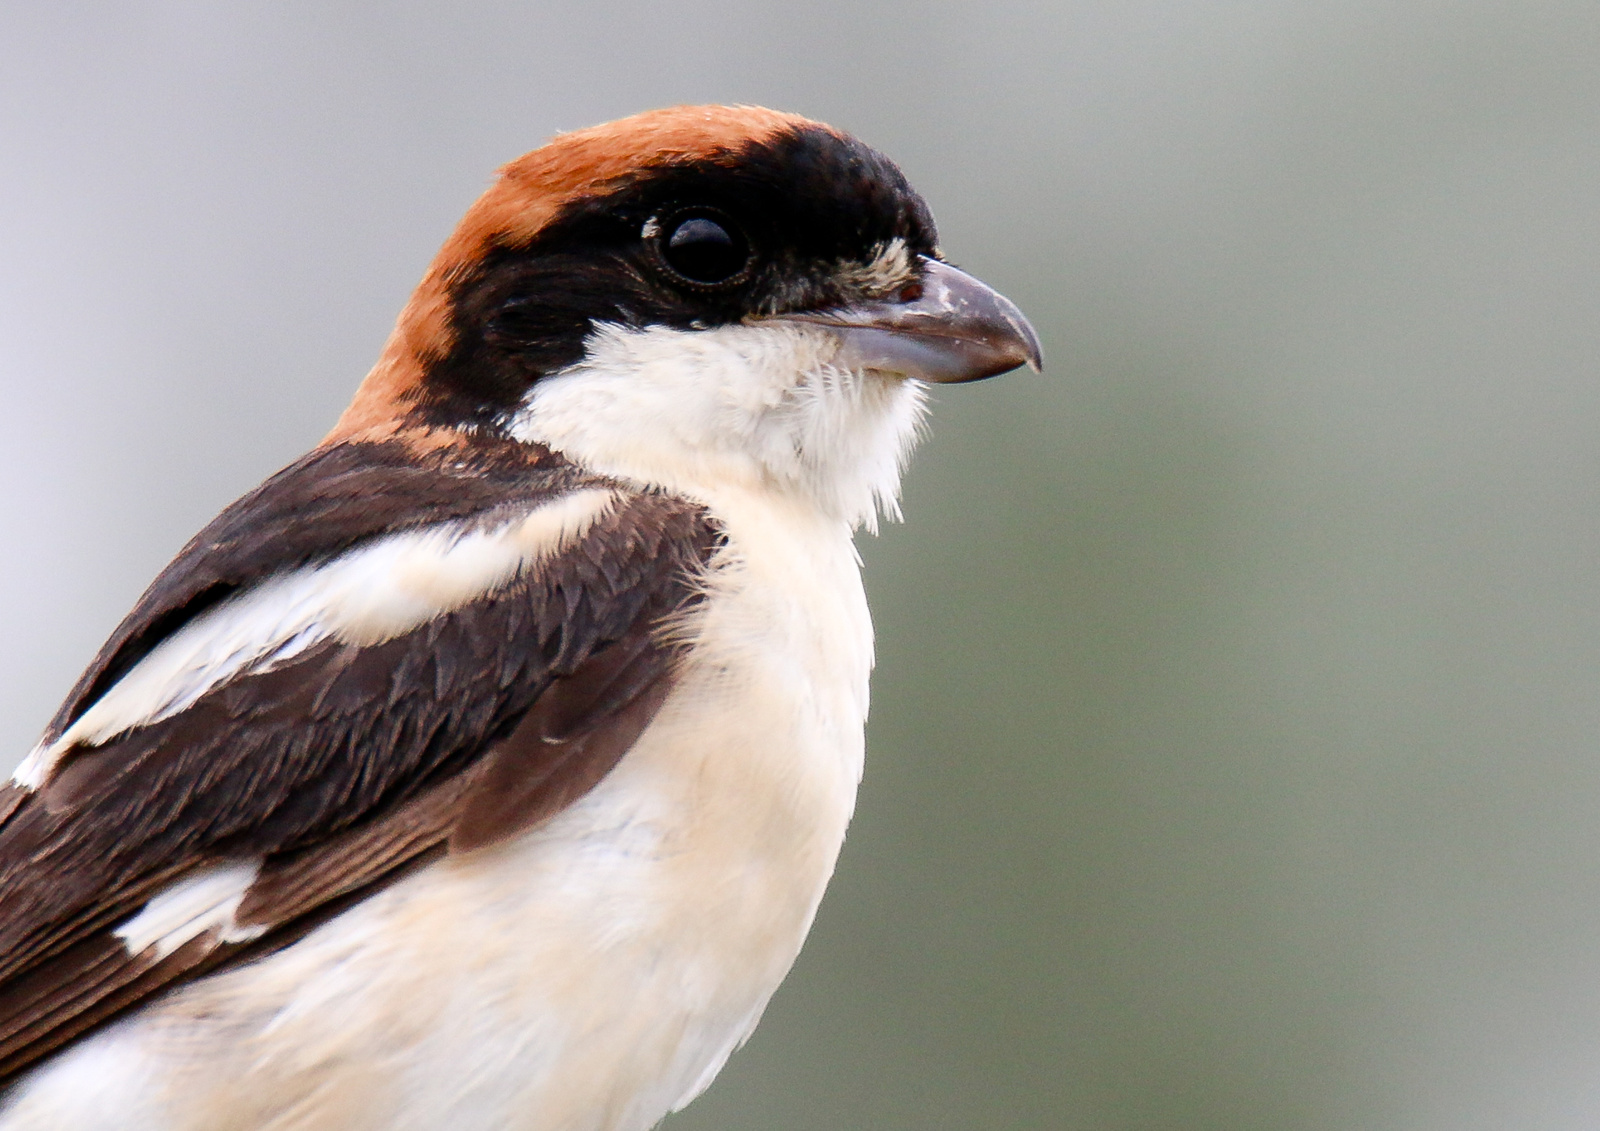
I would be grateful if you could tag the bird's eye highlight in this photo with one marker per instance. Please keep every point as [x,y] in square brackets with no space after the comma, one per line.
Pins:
[702,248]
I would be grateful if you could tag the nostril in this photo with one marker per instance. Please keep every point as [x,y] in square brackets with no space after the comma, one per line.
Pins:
[911,292]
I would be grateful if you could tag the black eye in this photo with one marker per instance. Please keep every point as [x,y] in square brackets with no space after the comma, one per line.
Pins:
[703,248]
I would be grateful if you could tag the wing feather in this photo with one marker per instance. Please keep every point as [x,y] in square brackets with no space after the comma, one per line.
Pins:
[345,766]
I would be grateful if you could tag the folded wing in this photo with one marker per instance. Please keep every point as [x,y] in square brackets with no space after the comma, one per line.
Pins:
[373,659]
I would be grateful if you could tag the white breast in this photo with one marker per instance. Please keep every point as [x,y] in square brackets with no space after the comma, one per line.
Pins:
[594,974]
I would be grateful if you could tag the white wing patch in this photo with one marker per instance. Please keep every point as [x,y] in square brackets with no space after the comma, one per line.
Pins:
[202,902]
[371,594]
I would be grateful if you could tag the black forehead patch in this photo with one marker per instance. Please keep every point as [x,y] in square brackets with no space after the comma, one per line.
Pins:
[806,193]
[808,201]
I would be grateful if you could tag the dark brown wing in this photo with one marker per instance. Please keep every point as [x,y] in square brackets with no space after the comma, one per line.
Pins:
[322,505]
[343,768]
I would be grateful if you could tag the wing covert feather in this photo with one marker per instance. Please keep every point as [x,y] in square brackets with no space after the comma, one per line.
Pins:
[350,764]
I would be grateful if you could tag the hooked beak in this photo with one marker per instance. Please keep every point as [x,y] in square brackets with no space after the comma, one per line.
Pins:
[951,328]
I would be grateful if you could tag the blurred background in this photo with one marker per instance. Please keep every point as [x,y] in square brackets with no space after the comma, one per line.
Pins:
[1235,755]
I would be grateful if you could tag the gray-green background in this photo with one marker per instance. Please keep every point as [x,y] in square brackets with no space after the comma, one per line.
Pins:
[1235,756]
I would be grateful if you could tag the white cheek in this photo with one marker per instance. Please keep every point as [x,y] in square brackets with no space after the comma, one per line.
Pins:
[757,406]
[655,391]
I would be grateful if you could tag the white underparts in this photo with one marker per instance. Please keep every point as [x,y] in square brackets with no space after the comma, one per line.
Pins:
[371,594]
[589,975]
[204,901]
[760,406]
[595,972]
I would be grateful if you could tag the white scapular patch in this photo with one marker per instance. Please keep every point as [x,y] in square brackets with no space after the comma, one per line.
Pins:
[195,904]
[759,405]
[371,594]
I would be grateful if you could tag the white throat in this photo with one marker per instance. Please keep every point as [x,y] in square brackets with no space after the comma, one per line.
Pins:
[759,406]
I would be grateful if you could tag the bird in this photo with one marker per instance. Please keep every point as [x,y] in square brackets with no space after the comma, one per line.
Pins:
[484,768]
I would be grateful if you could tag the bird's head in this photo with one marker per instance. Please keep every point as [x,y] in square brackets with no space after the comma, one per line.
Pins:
[697,298]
